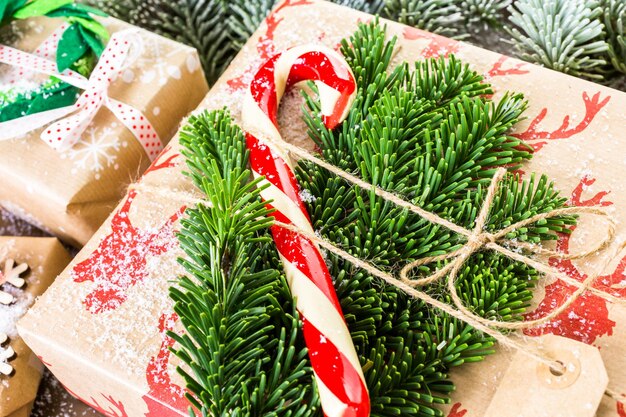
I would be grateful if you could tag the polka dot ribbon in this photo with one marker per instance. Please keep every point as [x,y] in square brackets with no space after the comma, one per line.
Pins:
[69,123]
[47,49]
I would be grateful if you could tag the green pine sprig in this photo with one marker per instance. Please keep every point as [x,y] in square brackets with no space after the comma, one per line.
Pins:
[490,12]
[564,35]
[426,133]
[614,18]
[242,347]
[436,16]
[198,23]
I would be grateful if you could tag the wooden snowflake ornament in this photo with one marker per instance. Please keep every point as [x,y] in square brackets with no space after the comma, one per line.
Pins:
[11,275]
[6,354]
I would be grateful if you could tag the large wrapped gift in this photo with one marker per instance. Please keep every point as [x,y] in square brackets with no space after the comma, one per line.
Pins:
[37,261]
[71,189]
[102,326]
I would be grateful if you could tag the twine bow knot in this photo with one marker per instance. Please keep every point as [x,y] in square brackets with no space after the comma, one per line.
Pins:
[478,239]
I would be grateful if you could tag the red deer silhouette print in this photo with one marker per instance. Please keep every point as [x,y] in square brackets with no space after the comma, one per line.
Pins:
[115,408]
[621,409]
[157,164]
[120,261]
[265,45]
[438,46]
[165,398]
[498,71]
[456,411]
[588,316]
[593,106]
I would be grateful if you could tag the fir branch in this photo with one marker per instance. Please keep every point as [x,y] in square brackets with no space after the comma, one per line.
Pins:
[564,35]
[241,345]
[429,134]
[245,17]
[489,12]
[436,16]
[614,19]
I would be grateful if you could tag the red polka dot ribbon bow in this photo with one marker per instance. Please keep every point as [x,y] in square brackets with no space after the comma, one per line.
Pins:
[68,123]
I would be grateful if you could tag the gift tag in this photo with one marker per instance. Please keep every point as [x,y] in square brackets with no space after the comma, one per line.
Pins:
[573,388]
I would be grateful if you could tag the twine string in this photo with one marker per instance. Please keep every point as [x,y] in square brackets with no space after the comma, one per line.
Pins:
[477,239]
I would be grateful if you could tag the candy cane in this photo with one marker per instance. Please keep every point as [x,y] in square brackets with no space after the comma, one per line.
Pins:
[336,366]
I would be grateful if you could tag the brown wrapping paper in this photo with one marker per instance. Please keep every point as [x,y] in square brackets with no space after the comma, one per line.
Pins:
[105,341]
[46,258]
[70,194]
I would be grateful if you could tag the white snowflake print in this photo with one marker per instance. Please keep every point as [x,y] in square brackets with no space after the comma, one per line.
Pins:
[152,64]
[96,150]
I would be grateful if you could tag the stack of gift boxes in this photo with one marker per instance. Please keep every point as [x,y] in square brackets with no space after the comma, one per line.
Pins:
[101,325]
[68,191]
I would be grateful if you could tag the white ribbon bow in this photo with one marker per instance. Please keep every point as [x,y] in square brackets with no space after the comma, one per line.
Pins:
[71,121]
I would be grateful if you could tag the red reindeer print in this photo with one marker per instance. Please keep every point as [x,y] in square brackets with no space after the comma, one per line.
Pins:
[596,200]
[593,106]
[456,411]
[498,71]
[165,398]
[265,45]
[158,164]
[621,408]
[588,316]
[115,408]
[120,261]
[438,46]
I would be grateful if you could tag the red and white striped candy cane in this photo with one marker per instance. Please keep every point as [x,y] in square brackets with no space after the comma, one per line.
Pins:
[339,376]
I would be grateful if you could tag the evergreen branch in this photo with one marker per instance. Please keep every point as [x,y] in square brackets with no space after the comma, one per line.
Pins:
[614,19]
[490,12]
[241,345]
[436,16]
[564,35]
[430,135]
[245,17]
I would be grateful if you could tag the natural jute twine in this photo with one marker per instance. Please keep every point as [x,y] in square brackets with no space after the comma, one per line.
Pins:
[477,239]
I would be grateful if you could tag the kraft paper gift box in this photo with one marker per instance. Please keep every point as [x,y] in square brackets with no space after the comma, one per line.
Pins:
[106,341]
[70,193]
[45,258]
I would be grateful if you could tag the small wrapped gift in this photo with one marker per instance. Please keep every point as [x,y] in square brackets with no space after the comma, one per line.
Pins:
[28,266]
[102,327]
[65,168]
